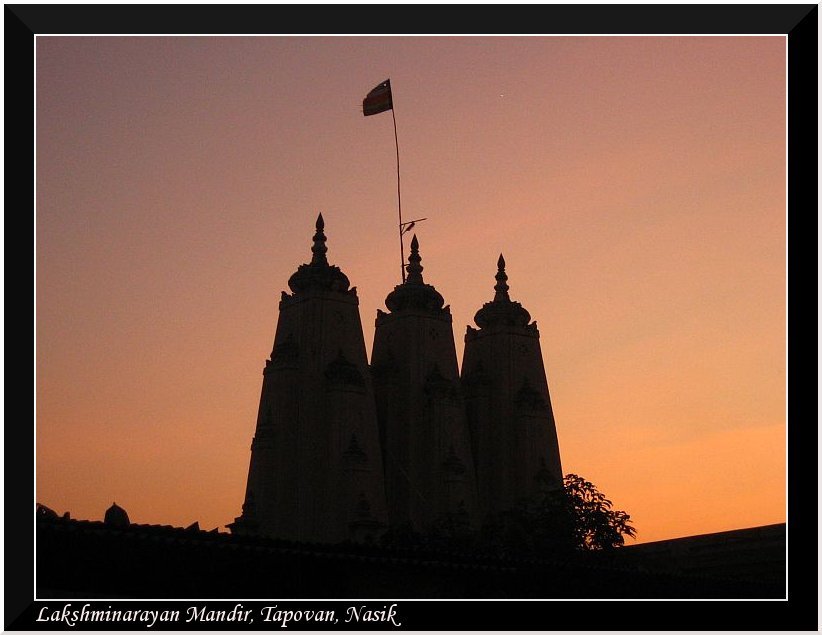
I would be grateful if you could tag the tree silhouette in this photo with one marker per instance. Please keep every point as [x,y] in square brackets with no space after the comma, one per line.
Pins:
[596,525]
[560,520]
[573,518]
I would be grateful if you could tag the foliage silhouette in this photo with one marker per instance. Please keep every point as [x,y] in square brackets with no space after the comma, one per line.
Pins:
[559,521]
[596,525]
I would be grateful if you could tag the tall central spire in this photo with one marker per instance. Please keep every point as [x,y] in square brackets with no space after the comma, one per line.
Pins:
[429,475]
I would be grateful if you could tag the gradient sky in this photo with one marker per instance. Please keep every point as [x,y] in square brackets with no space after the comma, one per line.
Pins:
[636,186]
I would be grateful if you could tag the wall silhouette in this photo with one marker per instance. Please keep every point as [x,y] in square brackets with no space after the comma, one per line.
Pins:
[94,559]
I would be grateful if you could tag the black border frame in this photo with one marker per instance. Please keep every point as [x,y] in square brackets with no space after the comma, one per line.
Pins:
[798,21]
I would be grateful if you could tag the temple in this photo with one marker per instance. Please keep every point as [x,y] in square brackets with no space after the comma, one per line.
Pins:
[344,449]
[429,470]
[316,471]
[349,460]
[511,422]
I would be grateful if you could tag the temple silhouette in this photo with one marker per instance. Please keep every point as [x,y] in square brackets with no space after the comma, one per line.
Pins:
[344,449]
[345,452]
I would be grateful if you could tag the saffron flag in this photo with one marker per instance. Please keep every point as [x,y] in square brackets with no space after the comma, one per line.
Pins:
[378,100]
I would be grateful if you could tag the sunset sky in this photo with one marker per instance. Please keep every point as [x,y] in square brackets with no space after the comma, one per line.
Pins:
[636,186]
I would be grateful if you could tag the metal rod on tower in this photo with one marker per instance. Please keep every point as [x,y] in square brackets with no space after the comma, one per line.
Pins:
[409,225]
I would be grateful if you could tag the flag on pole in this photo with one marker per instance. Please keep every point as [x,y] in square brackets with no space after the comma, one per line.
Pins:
[378,100]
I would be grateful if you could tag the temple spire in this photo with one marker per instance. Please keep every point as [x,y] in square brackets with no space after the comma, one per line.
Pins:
[318,249]
[502,310]
[414,266]
[501,287]
[414,293]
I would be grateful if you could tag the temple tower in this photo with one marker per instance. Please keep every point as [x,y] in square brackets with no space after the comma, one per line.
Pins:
[316,470]
[513,434]
[429,473]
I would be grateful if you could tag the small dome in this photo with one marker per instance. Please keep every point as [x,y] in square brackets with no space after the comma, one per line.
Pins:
[116,516]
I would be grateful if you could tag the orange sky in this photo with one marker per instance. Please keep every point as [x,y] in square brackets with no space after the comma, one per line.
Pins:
[635,185]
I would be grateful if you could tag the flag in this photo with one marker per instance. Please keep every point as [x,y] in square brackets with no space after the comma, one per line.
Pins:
[378,100]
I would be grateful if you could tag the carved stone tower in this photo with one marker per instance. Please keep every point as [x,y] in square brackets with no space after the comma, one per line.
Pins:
[316,470]
[513,434]
[429,469]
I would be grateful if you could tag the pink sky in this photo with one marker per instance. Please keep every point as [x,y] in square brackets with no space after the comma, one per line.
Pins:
[636,186]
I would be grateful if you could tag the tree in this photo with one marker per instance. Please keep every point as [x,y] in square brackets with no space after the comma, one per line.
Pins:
[557,522]
[596,525]
[574,517]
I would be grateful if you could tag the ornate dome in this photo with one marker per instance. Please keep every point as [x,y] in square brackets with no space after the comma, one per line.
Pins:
[318,274]
[502,311]
[414,293]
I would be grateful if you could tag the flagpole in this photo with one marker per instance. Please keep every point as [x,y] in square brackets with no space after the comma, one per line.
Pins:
[376,101]
[399,199]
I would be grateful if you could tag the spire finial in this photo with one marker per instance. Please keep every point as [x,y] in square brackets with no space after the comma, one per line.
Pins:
[319,248]
[414,267]
[501,287]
